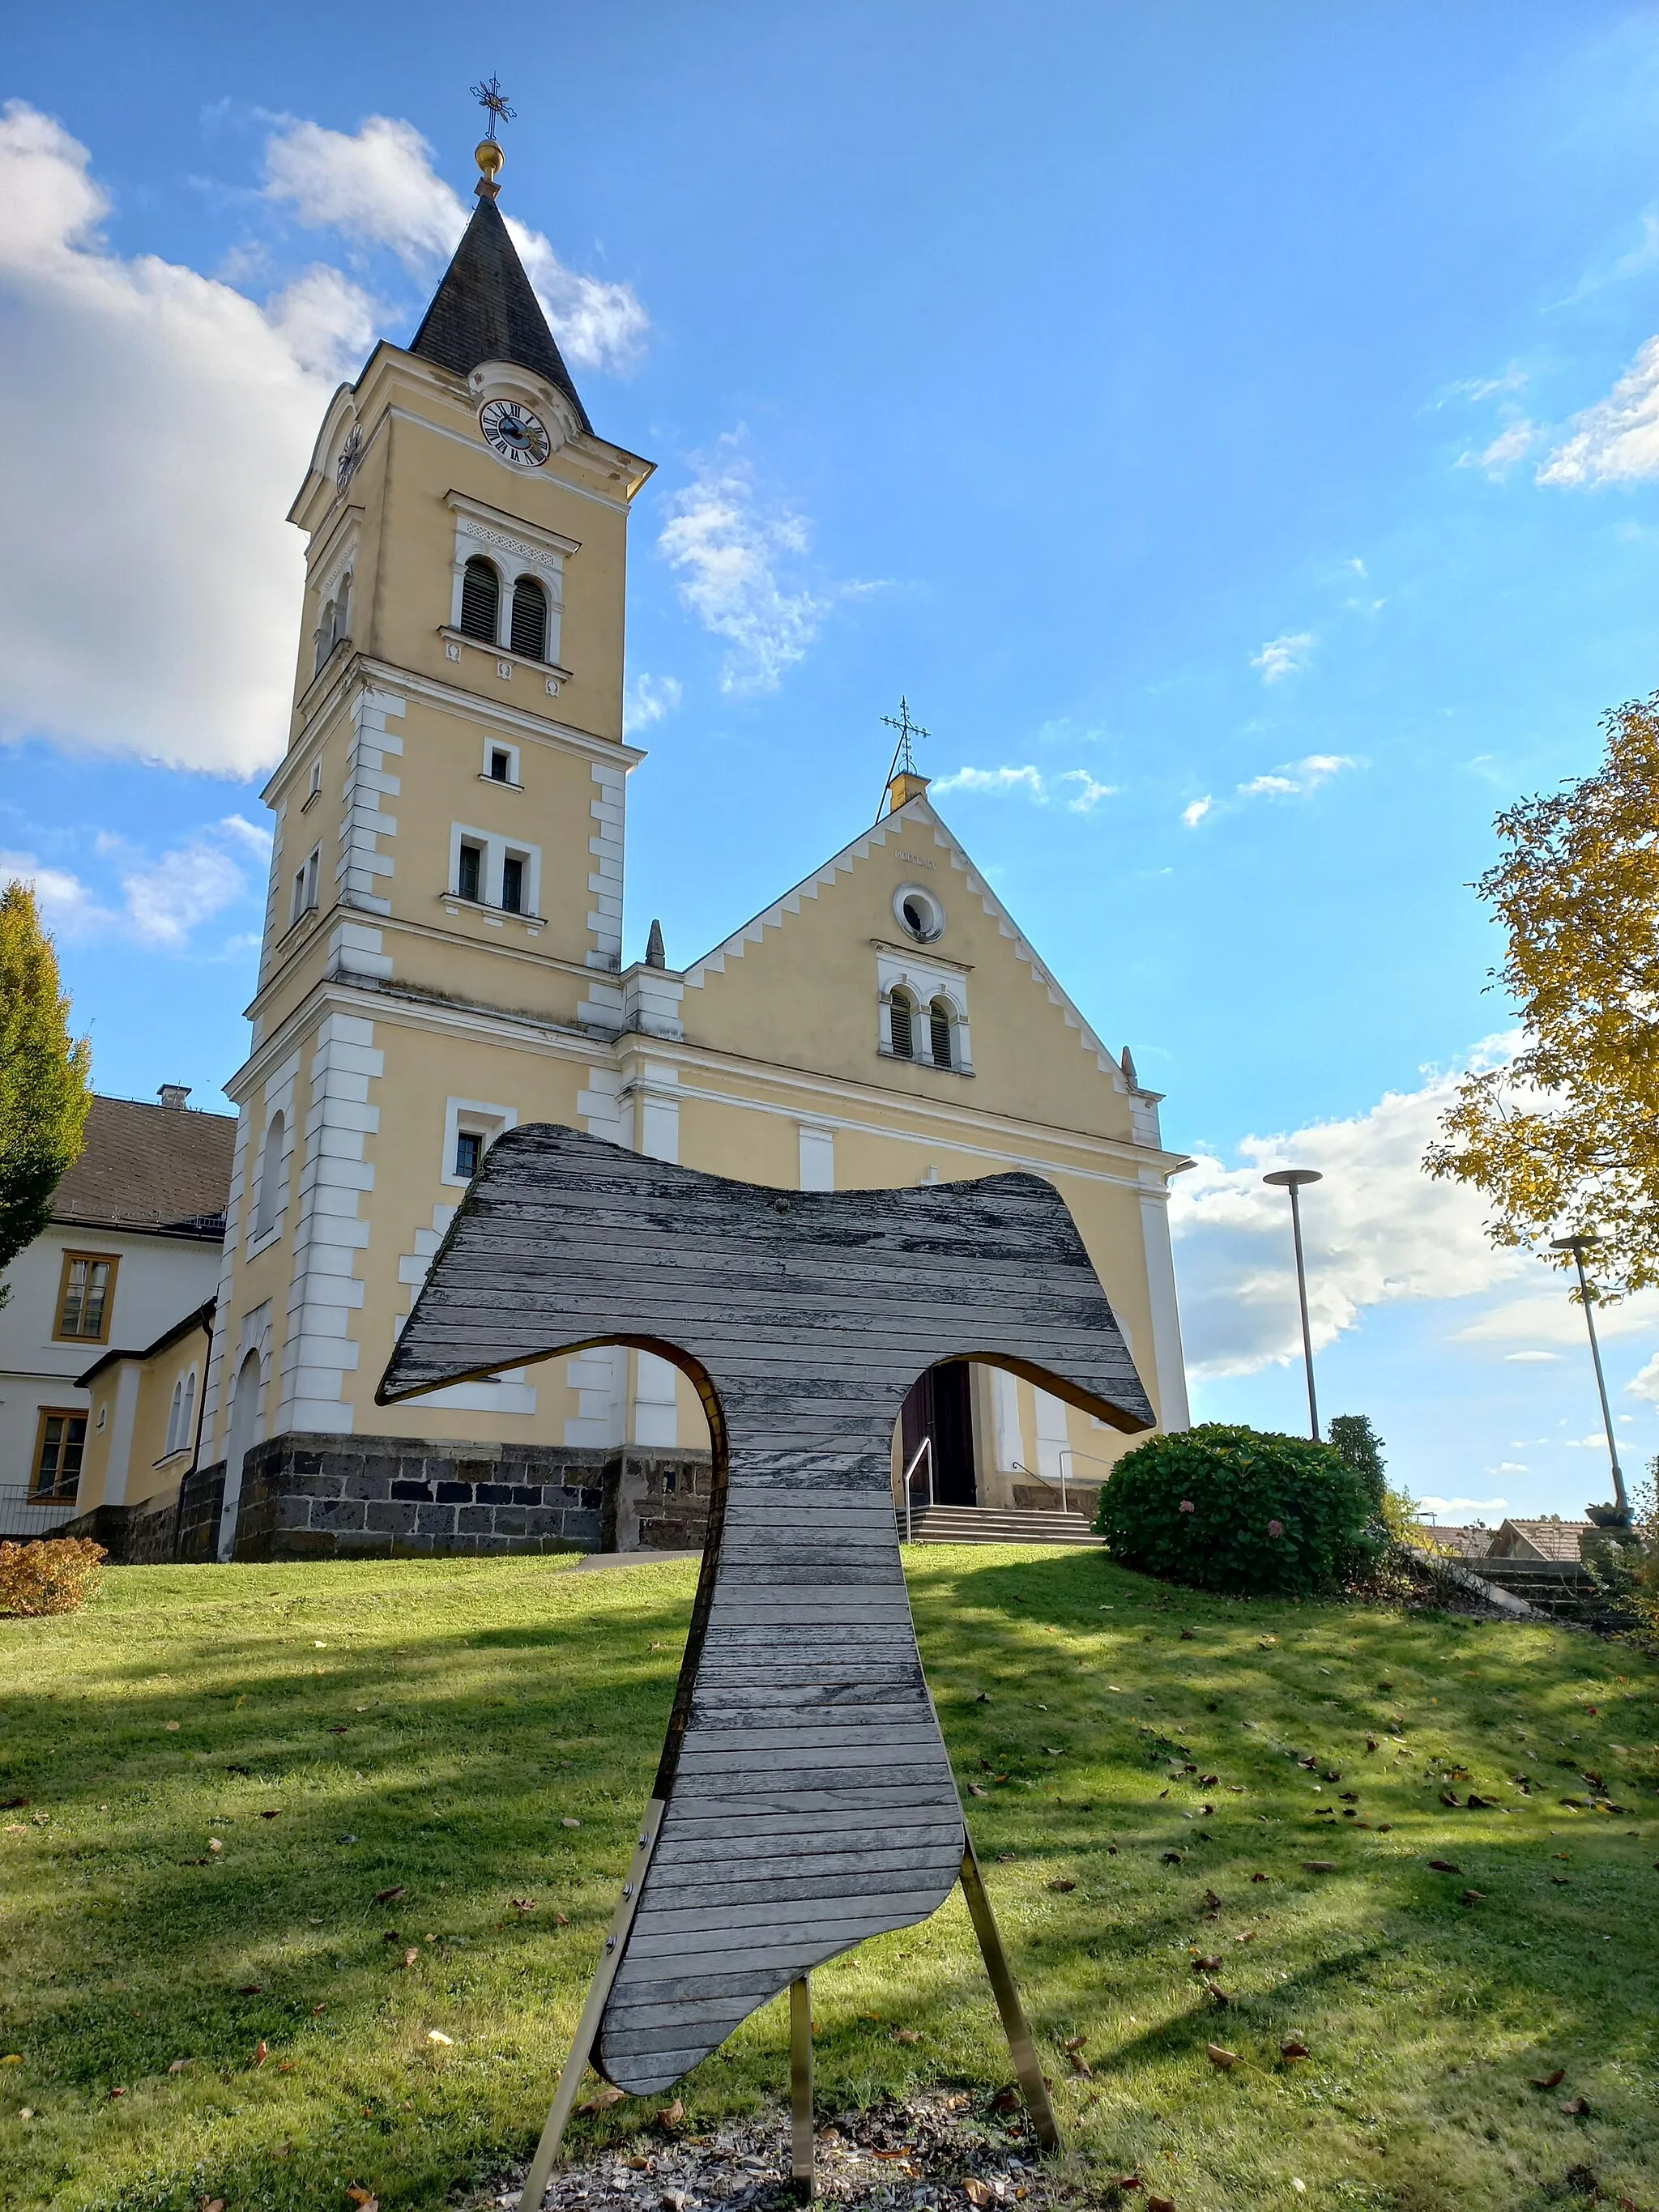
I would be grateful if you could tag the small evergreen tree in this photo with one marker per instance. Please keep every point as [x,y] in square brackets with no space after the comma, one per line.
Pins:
[1358,1444]
[45,1088]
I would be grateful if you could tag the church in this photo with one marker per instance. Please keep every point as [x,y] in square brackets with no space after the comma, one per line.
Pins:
[442,961]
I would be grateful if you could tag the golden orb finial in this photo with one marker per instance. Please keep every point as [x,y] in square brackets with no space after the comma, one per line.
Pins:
[489,156]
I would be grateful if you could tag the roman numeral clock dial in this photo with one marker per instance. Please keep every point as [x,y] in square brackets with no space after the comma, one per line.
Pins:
[515,434]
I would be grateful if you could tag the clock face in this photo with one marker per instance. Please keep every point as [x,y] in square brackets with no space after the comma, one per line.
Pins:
[514,433]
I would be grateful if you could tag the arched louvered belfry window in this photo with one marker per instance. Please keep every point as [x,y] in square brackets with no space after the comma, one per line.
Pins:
[938,1026]
[481,601]
[529,619]
[900,1018]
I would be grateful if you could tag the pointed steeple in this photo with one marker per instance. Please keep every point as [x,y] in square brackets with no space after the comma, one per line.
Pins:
[486,309]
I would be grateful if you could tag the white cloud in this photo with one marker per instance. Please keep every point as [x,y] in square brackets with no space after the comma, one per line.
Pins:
[168,898]
[1089,793]
[1646,1383]
[1283,656]
[66,907]
[1377,1231]
[1545,1318]
[1297,776]
[1481,1506]
[1268,786]
[1617,441]
[1192,815]
[1485,387]
[1511,444]
[649,699]
[1029,783]
[377,184]
[1530,1358]
[731,556]
[157,615]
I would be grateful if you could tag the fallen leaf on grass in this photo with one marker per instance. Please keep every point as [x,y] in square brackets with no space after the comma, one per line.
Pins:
[1260,1877]
[1217,2056]
[1290,2050]
[671,2115]
[386,1896]
[1445,1866]
[1370,1743]
[262,2052]
[1219,1996]
[1006,2101]
[214,1843]
[1320,1866]
[437,2035]
[1081,2067]
[365,2199]
[568,1822]
[1127,2181]
[250,1990]
[973,1790]
[1060,1883]
[1550,2081]
[1075,2042]
[172,1727]
[1576,2107]
[1474,1897]
[1450,1797]
[602,2099]
[1172,1858]
[275,1814]
[1160,2204]
[523,1904]
[905,2035]
[1208,1965]
[559,1920]
[1247,1936]
[976,2192]
[179,2065]
[411,1956]
[213,2204]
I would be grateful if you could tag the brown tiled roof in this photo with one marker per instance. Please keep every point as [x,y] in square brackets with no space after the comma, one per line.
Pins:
[1468,1543]
[157,1168]
[1551,1539]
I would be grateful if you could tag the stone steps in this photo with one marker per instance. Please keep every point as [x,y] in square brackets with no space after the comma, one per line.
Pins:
[986,1524]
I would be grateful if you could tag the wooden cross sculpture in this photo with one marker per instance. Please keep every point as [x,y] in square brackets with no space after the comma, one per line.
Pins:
[804,1799]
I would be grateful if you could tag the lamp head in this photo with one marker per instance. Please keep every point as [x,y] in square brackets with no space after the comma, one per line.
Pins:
[1292,1178]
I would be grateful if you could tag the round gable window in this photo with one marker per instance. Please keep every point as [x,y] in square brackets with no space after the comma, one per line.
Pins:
[920,915]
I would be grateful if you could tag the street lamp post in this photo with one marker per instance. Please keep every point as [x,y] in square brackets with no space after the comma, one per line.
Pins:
[1578,1245]
[1294,1180]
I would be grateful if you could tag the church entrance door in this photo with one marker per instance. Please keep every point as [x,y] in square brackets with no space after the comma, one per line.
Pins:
[940,1407]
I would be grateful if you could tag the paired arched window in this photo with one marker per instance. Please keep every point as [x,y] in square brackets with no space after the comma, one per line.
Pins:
[901,1025]
[529,635]
[938,1025]
[273,1177]
[182,1414]
[481,601]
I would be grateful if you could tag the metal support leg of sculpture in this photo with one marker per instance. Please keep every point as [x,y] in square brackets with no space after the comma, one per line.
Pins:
[547,2150]
[800,2088]
[1022,2050]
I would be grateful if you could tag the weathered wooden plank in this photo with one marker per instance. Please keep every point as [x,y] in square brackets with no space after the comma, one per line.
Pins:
[808,1799]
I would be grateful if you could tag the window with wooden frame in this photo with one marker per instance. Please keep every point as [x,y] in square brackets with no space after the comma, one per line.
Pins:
[85,1295]
[59,1445]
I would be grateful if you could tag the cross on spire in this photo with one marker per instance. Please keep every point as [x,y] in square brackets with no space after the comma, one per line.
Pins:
[904,760]
[490,97]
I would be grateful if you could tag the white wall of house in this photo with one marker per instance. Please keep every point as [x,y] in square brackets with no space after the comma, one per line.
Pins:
[158,1281]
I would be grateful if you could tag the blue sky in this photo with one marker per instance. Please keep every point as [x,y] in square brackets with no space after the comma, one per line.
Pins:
[1231,426]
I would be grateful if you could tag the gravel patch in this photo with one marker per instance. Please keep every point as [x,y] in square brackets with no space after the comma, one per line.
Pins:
[944,2149]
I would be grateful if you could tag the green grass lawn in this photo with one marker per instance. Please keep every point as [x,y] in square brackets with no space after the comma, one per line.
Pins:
[224,1765]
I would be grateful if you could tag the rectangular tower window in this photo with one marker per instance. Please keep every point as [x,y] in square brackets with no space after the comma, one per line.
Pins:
[468,1147]
[500,765]
[513,884]
[466,875]
[305,886]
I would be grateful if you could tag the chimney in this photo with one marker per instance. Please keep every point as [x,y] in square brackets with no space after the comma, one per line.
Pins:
[173,1094]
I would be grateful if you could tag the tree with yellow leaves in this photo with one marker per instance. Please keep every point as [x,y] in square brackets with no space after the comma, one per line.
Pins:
[45,1079]
[1566,1136]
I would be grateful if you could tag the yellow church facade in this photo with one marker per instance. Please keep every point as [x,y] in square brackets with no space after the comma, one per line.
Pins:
[442,961]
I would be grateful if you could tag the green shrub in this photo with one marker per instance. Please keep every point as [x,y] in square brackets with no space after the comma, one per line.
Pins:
[1240,1511]
[1353,1439]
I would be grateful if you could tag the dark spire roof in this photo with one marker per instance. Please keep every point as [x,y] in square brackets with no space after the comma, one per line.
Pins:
[485,310]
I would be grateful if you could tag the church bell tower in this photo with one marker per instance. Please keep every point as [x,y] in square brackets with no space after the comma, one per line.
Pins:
[443,925]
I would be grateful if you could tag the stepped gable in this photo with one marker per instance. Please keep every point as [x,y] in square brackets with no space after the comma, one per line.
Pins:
[486,309]
[163,1170]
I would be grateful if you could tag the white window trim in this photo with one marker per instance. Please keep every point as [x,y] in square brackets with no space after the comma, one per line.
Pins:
[513,549]
[496,848]
[303,895]
[924,982]
[261,1240]
[479,1118]
[514,781]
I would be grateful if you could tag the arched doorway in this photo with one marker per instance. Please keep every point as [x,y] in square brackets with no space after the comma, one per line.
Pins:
[244,1418]
[940,1408]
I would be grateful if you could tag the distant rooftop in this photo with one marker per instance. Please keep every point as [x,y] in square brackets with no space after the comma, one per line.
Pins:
[162,1169]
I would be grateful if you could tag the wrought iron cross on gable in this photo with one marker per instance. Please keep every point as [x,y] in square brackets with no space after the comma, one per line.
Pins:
[804,1799]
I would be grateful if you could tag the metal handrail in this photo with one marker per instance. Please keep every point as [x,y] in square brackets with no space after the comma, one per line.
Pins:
[924,1451]
[1020,1467]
